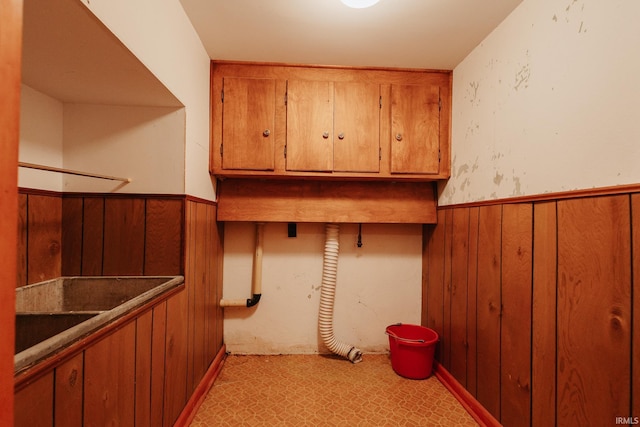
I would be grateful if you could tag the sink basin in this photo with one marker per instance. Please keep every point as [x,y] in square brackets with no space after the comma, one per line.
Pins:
[53,314]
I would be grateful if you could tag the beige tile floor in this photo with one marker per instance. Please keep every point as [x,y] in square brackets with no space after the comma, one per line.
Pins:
[316,390]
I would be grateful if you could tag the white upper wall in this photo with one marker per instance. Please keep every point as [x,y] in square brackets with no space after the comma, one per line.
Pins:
[548,103]
[163,39]
[41,138]
[144,144]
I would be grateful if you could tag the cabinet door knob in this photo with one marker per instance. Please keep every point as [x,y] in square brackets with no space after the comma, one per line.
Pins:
[266,132]
[325,135]
[341,135]
[398,137]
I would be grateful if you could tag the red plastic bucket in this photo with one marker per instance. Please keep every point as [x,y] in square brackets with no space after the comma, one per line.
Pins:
[412,348]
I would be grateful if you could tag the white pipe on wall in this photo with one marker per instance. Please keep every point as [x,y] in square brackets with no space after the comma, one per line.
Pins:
[256,278]
[327,297]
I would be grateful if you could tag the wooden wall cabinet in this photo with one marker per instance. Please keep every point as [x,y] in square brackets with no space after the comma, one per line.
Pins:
[248,130]
[415,129]
[285,121]
[333,126]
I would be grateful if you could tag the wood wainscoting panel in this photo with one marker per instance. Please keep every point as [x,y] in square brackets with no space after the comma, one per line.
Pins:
[33,405]
[445,334]
[489,307]
[144,363]
[163,237]
[158,346]
[434,293]
[22,257]
[72,222]
[553,304]
[515,341]
[44,238]
[124,228]
[93,236]
[109,379]
[472,303]
[543,356]
[326,201]
[594,310]
[459,294]
[69,388]
[200,294]
[176,357]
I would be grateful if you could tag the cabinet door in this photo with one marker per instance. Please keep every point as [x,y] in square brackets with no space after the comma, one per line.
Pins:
[356,146]
[415,129]
[248,112]
[309,126]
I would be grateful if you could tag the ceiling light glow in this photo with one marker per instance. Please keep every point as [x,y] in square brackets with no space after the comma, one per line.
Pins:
[359,4]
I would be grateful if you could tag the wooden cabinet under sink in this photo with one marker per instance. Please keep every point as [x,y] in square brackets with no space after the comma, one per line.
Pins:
[283,121]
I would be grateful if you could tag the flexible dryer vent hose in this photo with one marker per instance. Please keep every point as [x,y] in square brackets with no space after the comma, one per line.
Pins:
[327,297]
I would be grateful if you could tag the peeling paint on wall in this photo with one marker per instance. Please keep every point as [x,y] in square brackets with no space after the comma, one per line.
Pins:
[473,93]
[463,169]
[516,189]
[522,77]
[498,178]
[531,112]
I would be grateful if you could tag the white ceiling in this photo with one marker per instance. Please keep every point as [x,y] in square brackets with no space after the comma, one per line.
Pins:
[433,34]
[68,54]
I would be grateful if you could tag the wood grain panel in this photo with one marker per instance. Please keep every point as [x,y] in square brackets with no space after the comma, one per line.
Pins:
[472,281]
[93,236]
[249,110]
[489,308]
[176,357]
[191,278]
[158,346]
[124,237]
[445,336]
[309,125]
[635,362]
[594,310]
[69,382]
[143,355]
[459,297]
[110,379]
[356,139]
[322,201]
[415,129]
[218,281]
[44,238]
[543,374]
[212,340]
[200,292]
[33,405]
[517,267]
[22,241]
[435,286]
[72,236]
[427,231]
[163,237]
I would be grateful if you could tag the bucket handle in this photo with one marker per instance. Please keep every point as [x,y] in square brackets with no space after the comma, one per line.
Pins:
[402,339]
